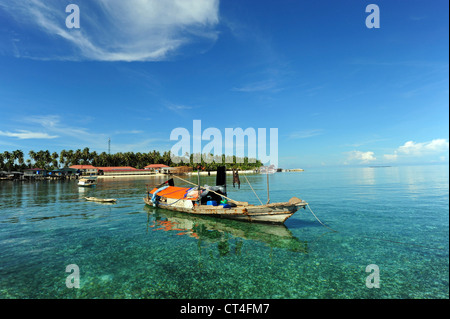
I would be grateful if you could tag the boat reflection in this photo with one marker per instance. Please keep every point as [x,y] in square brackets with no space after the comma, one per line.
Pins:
[221,231]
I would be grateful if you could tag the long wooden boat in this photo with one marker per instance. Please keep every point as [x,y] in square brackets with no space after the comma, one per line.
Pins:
[193,201]
[101,200]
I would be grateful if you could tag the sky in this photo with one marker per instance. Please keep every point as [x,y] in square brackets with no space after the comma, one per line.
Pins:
[339,93]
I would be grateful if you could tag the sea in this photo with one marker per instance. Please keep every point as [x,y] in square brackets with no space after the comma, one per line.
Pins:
[367,233]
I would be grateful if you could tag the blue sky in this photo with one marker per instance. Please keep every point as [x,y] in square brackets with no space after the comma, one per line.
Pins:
[338,92]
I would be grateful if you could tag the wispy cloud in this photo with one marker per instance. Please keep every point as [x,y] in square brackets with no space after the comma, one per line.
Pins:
[305,134]
[405,63]
[54,125]
[257,86]
[178,107]
[366,142]
[418,18]
[27,135]
[143,145]
[128,132]
[116,30]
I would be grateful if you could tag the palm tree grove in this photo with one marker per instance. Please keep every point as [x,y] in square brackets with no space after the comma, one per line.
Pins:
[44,159]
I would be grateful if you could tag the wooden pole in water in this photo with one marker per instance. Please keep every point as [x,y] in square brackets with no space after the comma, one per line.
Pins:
[268,196]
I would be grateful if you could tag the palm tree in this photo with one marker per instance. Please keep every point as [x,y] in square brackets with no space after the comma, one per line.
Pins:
[32,155]
[18,155]
[70,159]
[9,160]
[166,158]
[39,159]
[93,157]
[62,158]
[85,156]
[156,157]
[76,157]
[47,159]
[55,157]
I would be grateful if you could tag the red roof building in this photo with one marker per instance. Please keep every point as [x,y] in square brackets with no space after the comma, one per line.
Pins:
[80,167]
[85,169]
[116,168]
[119,170]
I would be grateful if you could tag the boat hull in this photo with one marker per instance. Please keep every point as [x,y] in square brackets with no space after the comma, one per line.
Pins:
[101,200]
[86,182]
[276,213]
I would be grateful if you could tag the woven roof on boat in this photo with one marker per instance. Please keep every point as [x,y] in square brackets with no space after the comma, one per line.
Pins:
[175,193]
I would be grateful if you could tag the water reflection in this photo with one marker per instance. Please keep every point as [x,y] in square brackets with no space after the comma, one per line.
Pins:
[223,232]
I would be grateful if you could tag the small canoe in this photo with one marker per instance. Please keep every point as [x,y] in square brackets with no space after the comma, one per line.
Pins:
[101,200]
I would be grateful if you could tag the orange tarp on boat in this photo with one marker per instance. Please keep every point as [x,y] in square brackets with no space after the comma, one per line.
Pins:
[176,193]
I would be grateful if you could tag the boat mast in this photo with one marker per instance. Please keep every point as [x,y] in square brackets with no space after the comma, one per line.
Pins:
[198,182]
[268,196]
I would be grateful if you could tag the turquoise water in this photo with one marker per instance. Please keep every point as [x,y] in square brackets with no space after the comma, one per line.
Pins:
[394,217]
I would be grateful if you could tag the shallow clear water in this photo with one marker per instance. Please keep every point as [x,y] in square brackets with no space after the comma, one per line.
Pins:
[394,217]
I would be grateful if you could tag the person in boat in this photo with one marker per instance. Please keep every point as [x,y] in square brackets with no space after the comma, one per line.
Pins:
[236,179]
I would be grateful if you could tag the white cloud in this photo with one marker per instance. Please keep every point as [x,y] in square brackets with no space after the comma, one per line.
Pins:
[25,135]
[117,30]
[361,157]
[413,149]
[418,149]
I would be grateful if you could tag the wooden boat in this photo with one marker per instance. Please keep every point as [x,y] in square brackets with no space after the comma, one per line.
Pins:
[87,182]
[203,202]
[101,200]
